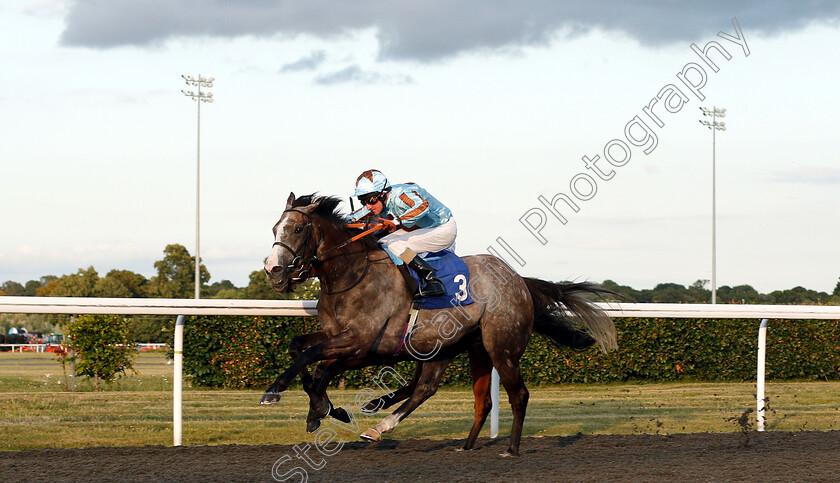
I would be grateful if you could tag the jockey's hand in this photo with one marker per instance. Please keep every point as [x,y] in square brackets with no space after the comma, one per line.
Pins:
[391,225]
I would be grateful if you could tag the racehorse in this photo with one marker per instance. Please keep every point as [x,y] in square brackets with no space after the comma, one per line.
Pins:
[365,304]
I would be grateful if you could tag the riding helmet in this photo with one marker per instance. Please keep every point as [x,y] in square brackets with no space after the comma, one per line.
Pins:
[370,182]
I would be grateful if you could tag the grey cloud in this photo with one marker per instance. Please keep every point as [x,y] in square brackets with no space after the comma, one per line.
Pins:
[355,74]
[434,29]
[310,62]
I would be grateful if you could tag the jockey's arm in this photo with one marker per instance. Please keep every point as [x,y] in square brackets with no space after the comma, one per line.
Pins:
[357,215]
[416,206]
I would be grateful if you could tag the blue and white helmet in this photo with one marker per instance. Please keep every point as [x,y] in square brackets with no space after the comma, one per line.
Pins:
[370,182]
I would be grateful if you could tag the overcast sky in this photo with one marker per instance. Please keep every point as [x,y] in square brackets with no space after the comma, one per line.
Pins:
[491,106]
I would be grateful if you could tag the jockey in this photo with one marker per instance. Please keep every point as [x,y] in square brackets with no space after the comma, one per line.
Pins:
[424,224]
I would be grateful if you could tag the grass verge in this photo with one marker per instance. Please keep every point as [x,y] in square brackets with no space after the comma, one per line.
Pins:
[137,410]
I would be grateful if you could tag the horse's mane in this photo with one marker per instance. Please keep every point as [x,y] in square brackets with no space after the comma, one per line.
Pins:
[329,210]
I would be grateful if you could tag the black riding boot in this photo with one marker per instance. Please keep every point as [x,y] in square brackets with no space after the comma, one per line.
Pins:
[430,285]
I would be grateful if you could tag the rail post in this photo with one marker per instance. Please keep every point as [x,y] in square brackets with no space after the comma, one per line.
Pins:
[494,397]
[760,405]
[177,380]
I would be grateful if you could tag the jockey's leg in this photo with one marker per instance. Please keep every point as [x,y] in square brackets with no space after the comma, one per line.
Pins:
[430,285]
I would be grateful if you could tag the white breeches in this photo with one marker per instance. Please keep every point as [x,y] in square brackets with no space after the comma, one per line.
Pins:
[423,239]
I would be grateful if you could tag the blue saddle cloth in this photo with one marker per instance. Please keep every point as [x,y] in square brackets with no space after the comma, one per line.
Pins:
[454,274]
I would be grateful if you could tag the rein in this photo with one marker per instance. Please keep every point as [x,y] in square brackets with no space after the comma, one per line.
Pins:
[305,264]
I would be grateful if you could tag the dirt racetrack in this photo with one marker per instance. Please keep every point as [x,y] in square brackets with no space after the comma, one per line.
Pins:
[769,456]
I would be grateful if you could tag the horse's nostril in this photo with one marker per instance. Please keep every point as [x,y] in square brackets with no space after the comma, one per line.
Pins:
[276,269]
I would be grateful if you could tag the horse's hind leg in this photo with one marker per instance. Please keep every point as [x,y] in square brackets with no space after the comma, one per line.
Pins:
[427,386]
[401,394]
[511,378]
[481,369]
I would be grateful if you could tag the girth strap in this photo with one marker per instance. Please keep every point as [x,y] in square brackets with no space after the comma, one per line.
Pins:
[409,326]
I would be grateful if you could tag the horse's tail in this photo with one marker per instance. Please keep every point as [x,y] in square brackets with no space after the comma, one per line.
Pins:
[562,314]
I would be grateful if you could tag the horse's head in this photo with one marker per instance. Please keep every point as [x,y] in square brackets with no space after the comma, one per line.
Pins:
[295,245]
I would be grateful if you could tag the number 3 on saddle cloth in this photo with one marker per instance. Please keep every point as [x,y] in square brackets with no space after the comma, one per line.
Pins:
[454,274]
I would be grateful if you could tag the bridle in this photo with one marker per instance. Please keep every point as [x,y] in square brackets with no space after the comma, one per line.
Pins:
[305,265]
[300,261]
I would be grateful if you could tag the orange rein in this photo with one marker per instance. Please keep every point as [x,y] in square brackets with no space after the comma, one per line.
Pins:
[384,224]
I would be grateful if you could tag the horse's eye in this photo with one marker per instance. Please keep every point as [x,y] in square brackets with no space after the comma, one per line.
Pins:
[298,229]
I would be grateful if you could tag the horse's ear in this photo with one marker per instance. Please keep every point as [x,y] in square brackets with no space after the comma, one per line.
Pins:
[290,200]
[312,207]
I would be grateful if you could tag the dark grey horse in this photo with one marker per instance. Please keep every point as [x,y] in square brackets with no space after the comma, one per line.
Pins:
[365,303]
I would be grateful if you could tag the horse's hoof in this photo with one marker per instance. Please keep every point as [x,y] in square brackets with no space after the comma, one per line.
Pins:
[341,415]
[312,426]
[508,454]
[270,398]
[371,435]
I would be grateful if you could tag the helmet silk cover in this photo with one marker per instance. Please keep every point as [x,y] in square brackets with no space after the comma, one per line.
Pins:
[371,181]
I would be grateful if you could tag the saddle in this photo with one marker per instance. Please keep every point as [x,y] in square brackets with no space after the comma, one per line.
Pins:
[450,270]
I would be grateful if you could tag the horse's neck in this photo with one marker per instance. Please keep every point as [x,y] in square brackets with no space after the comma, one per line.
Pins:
[356,267]
[341,264]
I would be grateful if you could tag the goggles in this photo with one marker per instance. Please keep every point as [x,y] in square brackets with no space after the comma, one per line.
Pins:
[369,199]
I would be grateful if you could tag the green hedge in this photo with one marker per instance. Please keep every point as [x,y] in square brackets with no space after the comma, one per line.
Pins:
[249,352]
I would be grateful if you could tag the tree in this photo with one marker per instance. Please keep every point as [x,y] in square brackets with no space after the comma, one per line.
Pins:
[631,294]
[31,288]
[121,284]
[796,295]
[102,346]
[46,290]
[134,283]
[697,292]
[669,293]
[258,287]
[739,294]
[176,274]
[110,287]
[225,286]
[80,284]
[13,288]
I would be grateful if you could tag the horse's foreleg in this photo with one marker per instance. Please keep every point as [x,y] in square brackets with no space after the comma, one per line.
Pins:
[296,347]
[319,403]
[344,345]
[426,387]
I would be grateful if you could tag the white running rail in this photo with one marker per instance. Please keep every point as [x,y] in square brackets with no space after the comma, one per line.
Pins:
[183,307]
